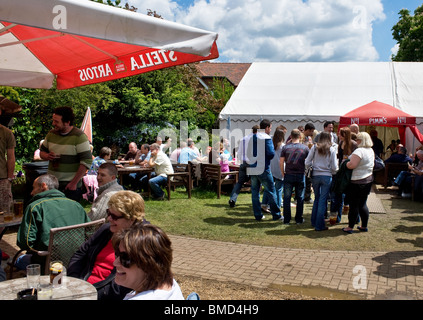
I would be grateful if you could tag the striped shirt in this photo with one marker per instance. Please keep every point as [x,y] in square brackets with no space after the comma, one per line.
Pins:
[73,148]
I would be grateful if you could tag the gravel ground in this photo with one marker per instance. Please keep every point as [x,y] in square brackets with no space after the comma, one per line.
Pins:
[215,290]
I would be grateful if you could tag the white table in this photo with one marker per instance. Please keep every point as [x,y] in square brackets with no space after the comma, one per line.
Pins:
[71,289]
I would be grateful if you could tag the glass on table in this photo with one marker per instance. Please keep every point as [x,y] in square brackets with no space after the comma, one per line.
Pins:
[18,205]
[56,268]
[44,291]
[33,273]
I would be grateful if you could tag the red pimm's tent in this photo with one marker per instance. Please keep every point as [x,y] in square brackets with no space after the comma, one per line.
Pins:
[381,114]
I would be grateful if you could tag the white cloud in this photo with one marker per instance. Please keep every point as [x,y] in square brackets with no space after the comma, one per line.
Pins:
[394,49]
[281,30]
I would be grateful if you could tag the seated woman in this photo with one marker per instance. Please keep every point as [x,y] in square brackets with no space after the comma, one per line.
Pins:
[93,261]
[143,263]
[105,154]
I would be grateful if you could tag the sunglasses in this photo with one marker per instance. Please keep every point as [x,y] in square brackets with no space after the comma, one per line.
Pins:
[113,216]
[125,261]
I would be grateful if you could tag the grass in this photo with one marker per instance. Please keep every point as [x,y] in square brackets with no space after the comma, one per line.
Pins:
[206,217]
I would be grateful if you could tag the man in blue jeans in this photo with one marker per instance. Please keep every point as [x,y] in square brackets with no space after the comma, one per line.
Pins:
[242,171]
[162,167]
[292,163]
[260,152]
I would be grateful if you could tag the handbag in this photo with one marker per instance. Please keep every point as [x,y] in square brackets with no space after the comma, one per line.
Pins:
[309,170]
[379,164]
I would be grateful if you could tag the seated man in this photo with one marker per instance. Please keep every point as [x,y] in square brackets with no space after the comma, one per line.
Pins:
[143,155]
[48,208]
[174,156]
[108,185]
[132,153]
[141,159]
[400,157]
[404,179]
[162,167]
[188,154]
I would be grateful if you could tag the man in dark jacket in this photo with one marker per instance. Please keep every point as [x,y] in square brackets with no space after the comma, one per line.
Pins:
[260,152]
[399,157]
[48,208]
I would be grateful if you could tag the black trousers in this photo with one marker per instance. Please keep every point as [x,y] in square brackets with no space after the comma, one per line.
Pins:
[357,195]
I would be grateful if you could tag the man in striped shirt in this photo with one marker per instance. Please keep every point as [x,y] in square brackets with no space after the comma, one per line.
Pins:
[68,150]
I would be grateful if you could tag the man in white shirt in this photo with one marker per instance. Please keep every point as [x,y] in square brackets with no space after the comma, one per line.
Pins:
[162,167]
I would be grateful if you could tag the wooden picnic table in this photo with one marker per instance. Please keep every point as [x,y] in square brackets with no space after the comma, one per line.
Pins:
[127,169]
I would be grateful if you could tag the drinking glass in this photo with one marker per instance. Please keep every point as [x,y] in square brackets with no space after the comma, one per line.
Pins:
[18,208]
[56,268]
[44,291]
[33,272]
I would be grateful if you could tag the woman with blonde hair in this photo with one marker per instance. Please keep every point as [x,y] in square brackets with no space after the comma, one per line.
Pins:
[361,162]
[322,157]
[93,261]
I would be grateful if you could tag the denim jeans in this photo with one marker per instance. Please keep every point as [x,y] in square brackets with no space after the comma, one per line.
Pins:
[337,204]
[155,184]
[321,187]
[266,180]
[278,191]
[143,182]
[242,178]
[297,182]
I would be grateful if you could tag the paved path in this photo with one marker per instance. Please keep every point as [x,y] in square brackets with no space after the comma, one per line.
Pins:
[366,275]
[379,275]
[342,275]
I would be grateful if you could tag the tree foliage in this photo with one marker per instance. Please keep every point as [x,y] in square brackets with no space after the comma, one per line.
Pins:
[408,33]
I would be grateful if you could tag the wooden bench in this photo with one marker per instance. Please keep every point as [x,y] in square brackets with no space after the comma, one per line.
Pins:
[392,170]
[180,177]
[212,173]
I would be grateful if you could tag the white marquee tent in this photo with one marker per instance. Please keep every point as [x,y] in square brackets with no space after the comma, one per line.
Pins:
[294,94]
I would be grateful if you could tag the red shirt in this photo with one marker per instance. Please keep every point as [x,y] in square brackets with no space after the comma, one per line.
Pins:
[103,265]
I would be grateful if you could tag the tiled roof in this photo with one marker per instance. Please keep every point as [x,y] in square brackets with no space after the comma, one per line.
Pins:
[232,71]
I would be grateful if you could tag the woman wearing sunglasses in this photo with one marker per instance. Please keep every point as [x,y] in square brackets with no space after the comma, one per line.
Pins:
[93,261]
[143,263]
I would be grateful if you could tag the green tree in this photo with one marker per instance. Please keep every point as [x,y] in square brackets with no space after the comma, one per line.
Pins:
[34,121]
[408,33]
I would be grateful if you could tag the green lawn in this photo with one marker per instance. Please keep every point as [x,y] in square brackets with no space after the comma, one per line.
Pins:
[204,216]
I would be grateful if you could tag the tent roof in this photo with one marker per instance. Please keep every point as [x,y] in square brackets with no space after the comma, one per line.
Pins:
[324,90]
[377,113]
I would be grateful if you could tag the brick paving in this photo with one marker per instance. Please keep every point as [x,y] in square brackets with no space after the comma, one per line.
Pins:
[363,275]
[379,275]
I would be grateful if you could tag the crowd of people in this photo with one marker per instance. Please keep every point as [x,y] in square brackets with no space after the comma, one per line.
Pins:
[128,258]
[336,168]
[280,170]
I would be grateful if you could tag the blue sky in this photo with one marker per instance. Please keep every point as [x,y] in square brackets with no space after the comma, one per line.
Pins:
[291,30]
[382,34]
